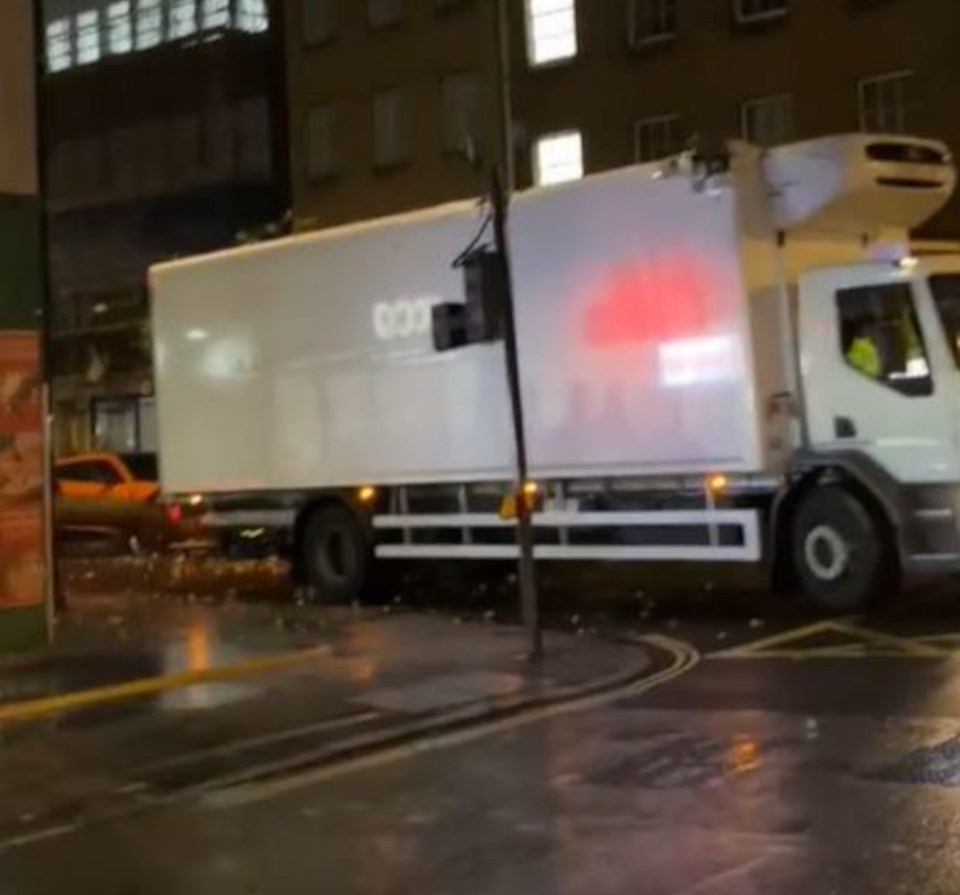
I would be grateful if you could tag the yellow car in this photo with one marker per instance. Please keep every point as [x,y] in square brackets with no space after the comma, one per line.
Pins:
[111,502]
[128,477]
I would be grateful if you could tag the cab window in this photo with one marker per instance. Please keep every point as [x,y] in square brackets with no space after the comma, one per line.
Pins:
[880,337]
[945,289]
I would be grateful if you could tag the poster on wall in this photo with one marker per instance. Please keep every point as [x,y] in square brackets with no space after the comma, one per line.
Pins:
[22,563]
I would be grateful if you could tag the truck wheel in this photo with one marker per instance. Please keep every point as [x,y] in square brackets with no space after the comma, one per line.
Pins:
[840,551]
[335,554]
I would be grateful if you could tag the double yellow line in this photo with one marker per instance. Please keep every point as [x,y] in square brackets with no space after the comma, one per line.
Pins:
[683,657]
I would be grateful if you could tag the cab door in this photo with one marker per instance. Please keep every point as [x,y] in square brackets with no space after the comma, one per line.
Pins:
[876,371]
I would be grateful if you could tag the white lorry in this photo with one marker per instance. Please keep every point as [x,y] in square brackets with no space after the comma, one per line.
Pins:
[727,359]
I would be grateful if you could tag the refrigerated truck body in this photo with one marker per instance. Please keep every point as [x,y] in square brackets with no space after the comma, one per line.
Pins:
[690,383]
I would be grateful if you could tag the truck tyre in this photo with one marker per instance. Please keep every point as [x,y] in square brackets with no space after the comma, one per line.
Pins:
[840,551]
[335,554]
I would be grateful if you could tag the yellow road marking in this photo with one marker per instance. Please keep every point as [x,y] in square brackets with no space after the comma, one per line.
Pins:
[684,657]
[880,638]
[765,644]
[29,710]
[868,643]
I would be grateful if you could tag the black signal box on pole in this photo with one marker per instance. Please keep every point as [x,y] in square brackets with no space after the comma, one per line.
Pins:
[480,317]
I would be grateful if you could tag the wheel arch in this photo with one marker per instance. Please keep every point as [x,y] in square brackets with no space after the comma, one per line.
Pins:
[860,475]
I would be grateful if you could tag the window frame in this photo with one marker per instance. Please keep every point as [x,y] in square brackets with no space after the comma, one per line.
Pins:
[405,141]
[759,102]
[401,15]
[939,301]
[59,33]
[910,387]
[475,78]
[557,135]
[764,15]
[652,39]
[671,118]
[331,112]
[94,31]
[530,17]
[318,40]
[902,75]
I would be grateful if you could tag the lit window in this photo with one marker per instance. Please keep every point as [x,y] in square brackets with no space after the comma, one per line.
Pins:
[656,138]
[558,158]
[652,21]
[59,45]
[767,120]
[183,19]
[758,10]
[551,30]
[119,27]
[149,29]
[214,14]
[88,36]
[252,16]
[885,103]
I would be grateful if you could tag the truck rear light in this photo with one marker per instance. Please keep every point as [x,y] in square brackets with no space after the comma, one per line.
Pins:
[174,513]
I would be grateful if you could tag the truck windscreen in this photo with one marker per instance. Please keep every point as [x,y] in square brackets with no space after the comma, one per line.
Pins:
[946,296]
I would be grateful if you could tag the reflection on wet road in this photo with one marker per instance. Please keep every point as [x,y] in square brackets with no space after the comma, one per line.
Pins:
[797,757]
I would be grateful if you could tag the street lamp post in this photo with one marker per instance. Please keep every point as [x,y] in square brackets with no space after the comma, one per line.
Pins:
[503,184]
[505,95]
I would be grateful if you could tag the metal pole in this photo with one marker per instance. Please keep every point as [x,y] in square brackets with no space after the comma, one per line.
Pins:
[527,577]
[505,94]
[55,596]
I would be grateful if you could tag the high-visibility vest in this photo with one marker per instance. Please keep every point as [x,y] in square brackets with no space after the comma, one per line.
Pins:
[862,355]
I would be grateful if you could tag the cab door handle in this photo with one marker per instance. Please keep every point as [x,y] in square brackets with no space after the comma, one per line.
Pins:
[844,427]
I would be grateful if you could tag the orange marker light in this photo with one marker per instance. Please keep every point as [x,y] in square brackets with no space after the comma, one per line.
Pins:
[366,494]
[717,483]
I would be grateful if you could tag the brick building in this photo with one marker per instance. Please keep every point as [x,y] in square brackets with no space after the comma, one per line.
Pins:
[163,137]
[383,92]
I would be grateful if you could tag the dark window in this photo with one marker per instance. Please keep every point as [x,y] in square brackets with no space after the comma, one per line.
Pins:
[381,13]
[143,467]
[462,100]
[317,21]
[99,471]
[651,21]
[391,129]
[880,337]
[323,160]
[658,137]
[946,296]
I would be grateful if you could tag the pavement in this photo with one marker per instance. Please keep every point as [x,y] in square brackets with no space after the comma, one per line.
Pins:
[146,699]
[755,751]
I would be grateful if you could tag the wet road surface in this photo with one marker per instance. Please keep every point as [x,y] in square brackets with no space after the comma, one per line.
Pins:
[767,776]
[795,757]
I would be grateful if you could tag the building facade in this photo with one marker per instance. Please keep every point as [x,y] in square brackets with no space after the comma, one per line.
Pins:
[384,93]
[163,133]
